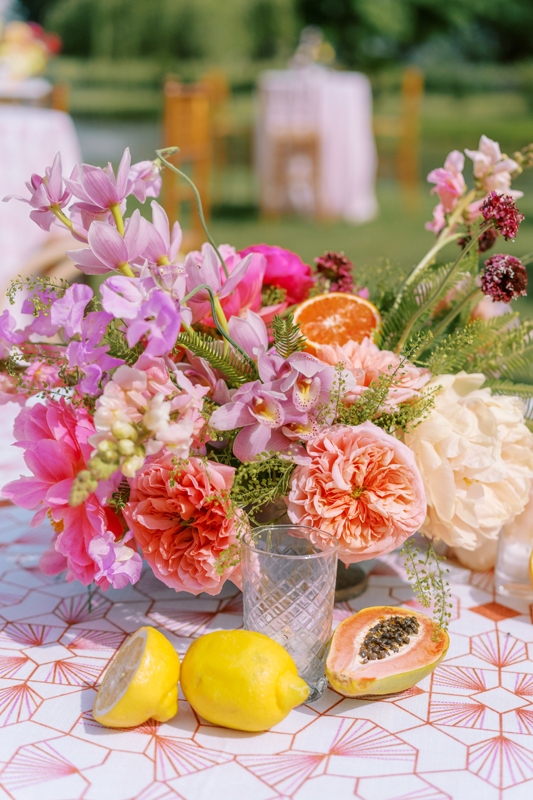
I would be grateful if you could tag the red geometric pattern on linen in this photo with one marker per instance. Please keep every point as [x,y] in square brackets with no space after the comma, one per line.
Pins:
[472,717]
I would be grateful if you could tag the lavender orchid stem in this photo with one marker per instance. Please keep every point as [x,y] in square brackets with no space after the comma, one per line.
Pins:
[171,151]
[432,299]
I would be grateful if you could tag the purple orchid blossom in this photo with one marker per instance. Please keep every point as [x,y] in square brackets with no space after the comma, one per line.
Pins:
[261,411]
[108,251]
[147,180]
[46,192]
[9,336]
[68,312]
[41,323]
[163,244]
[209,272]
[99,188]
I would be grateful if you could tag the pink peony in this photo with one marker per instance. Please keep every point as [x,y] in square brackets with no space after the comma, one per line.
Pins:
[284,269]
[363,487]
[182,521]
[55,440]
[367,362]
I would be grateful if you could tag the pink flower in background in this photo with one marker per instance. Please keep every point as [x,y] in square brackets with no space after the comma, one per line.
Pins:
[163,243]
[367,362]
[55,440]
[182,522]
[9,391]
[45,192]
[449,181]
[147,180]
[439,220]
[361,486]
[284,269]
[100,188]
[492,170]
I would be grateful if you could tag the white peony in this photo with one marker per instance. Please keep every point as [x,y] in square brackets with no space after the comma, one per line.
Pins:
[476,458]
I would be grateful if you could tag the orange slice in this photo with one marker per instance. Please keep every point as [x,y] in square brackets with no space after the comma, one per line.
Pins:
[336,318]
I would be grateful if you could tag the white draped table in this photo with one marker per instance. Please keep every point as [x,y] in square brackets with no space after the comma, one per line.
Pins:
[336,108]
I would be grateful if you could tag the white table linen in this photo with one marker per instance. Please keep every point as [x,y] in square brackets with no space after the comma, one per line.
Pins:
[337,107]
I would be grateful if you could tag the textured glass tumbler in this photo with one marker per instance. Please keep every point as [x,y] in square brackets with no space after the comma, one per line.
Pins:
[289,591]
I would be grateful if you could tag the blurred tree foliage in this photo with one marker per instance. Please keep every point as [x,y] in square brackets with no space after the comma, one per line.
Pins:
[368,33]
[215,30]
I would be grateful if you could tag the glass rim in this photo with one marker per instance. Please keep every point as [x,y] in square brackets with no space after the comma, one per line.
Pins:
[329,552]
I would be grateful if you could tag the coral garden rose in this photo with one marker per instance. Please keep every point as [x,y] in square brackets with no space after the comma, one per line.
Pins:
[181,519]
[284,269]
[475,455]
[367,362]
[361,486]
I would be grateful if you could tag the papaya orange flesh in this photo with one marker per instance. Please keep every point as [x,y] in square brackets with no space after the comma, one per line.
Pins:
[350,676]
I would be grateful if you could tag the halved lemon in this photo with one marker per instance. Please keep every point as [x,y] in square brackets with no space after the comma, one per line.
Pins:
[141,682]
[336,318]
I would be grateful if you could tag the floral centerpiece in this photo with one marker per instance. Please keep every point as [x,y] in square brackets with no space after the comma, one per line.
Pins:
[162,414]
[25,49]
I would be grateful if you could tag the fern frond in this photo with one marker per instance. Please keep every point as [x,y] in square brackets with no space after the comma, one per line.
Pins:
[287,336]
[232,364]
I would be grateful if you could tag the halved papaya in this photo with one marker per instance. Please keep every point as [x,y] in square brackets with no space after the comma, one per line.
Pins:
[384,650]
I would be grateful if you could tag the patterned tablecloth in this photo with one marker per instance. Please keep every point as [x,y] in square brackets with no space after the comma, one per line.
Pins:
[463,733]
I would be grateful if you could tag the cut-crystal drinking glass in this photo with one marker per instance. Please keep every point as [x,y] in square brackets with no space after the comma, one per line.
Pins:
[289,590]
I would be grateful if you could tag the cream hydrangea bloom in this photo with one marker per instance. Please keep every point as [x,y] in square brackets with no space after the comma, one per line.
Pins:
[475,455]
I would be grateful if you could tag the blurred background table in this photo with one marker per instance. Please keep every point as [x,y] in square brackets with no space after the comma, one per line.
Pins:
[30,137]
[463,732]
[315,146]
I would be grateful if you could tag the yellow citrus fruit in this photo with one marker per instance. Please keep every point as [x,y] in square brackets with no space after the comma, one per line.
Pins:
[242,680]
[336,318]
[140,683]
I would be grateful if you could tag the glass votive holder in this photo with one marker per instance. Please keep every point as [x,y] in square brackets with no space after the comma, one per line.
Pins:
[289,591]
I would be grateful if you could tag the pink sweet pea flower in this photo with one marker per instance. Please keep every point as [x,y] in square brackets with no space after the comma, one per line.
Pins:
[449,180]
[284,269]
[45,192]
[108,250]
[147,181]
[439,220]
[68,312]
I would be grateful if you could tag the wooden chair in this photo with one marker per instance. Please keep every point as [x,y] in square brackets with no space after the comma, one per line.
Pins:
[287,135]
[187,125]
[404,130]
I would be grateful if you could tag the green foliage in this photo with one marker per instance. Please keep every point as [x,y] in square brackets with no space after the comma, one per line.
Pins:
[427,577]
[118,346]
[231,363]
[260,482]
[119,499]
[287,336]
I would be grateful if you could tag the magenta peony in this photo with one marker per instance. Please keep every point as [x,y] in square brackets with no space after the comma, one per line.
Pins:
[182,521]
[363,487]
[284,269]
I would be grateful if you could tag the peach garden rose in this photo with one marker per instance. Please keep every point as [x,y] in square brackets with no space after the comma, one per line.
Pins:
[361,486]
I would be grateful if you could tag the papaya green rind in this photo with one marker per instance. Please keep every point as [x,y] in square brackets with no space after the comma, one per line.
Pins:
[362,682]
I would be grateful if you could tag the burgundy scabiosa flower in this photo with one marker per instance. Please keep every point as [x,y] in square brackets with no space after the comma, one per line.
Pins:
[338,269]
[503,212]
[504,278]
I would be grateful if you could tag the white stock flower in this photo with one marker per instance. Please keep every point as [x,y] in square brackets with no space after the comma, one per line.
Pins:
[475,455]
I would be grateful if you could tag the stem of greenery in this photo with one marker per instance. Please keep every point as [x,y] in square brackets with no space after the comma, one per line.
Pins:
[436,294]
[170,151]
[450,316]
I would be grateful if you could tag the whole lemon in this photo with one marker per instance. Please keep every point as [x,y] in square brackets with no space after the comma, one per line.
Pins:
[242,680]
[140,683]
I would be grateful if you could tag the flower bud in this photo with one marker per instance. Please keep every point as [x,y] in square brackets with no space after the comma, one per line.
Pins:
[124,430]
[126,447]
[83,485]
[131,466]
[100,469]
